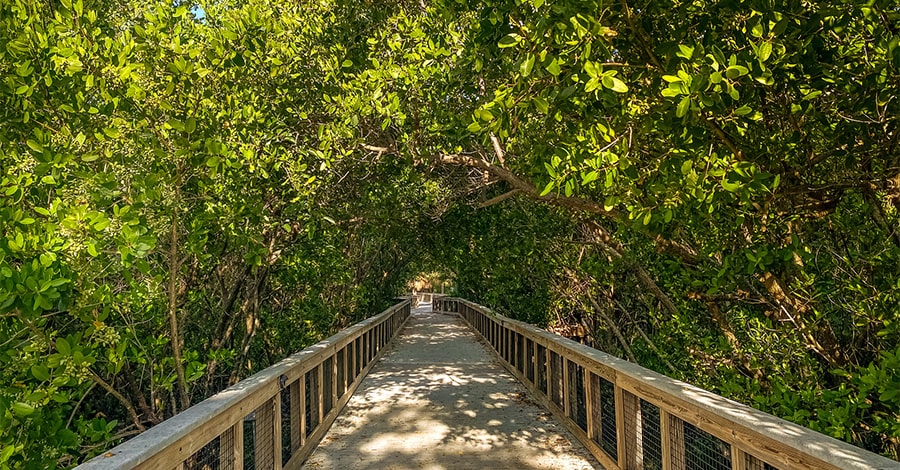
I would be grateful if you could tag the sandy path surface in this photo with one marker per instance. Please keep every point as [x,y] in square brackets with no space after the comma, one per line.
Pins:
[439,399]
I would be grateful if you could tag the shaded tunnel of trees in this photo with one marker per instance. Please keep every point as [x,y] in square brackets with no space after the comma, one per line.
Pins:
[191,192]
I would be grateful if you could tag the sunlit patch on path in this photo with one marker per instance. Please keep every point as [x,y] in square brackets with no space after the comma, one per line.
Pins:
[440,400]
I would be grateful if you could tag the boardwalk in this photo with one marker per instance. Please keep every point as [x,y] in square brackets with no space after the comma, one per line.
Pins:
[440,400]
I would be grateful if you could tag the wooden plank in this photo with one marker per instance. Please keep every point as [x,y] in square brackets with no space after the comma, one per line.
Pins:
[565,389]
[589,404]
[320,392]
[237,431]
[301,385]
[620,425]
[738,459]
[310,444]
[674,430]
[276,432]
[665,440]
[544,401]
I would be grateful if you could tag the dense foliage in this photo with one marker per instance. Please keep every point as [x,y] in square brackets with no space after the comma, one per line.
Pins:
[190,192]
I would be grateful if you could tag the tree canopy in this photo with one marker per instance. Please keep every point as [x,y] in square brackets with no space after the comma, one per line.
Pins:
[192,191]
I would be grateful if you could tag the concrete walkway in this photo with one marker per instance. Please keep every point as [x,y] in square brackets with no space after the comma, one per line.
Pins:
[439,399]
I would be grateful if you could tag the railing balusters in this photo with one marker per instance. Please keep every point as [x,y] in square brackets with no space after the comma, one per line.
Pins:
[212,434]
[722,432]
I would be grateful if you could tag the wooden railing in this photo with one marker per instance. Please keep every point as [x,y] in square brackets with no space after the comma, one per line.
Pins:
[272,420]
[632,418]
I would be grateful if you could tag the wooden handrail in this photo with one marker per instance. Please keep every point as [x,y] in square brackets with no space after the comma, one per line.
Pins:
[630,417]
[282,411]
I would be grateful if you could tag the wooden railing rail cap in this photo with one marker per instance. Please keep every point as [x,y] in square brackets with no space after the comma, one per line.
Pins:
[248,393]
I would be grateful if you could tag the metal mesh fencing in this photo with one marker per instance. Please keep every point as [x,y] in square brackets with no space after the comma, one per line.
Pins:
[608,438]
[577,399]
[652,436]
[529,360]
[341,367]
[327,385]
[312,400]
[520,352]
[358,364]
[259,438]
[541,371]
[754,463]
[285,416]
[556,378]
[250,441]
[702,451]
[217,455]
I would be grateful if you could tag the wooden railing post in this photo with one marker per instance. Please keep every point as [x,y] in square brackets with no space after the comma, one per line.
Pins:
[672,440]
[276,432]
[301,390]
[634,432]
[237,431]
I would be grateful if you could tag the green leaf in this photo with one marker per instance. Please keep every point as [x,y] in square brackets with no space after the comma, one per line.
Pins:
[547,189]
[685,51]
[735,71]
[553,68]
[743,110]
[22,409]
[34,145]
[765,51]
[510,40]
[683,106]
[40,372]
[541,104]
[63,346]
[731,187]
[527,65]
[614,84]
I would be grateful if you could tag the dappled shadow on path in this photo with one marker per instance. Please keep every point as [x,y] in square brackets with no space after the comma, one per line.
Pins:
[439,400]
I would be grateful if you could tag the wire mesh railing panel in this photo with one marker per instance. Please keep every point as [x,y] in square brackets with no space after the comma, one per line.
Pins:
[541,369]
[250,442]
[285,417]
[577,401]
[495,336]
[341,366]
[702,451]
[608,432]
[529,360]
[327,385]
[218,454]
[357,366]
[259,438]
[520,352]
[312,400]
[556,378]
[754,463]
[652,436]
